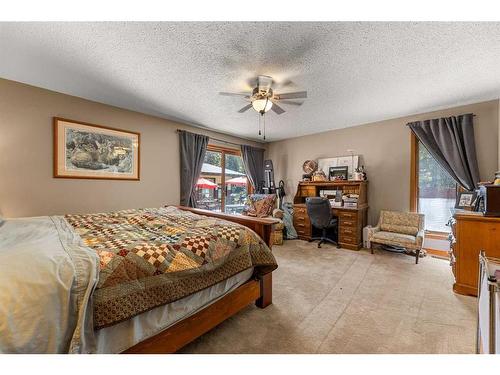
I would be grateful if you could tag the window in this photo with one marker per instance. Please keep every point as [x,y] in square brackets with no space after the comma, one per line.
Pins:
[223,185]
[433,190]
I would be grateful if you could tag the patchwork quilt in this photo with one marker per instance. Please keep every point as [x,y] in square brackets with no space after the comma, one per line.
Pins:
[150,257]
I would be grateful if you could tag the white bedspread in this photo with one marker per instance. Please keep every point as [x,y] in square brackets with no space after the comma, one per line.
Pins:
[45,287]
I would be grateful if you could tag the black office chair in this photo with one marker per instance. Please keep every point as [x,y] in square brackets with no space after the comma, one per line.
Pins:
[320,214]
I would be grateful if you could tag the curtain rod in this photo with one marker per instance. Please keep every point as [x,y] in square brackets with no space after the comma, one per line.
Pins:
[217,139]
[436,118]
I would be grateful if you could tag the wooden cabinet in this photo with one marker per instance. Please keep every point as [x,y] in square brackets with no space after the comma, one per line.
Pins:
[471,233]
[301,221]
[351,220]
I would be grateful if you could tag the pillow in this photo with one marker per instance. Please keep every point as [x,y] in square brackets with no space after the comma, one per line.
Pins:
[260,205]
[248,209]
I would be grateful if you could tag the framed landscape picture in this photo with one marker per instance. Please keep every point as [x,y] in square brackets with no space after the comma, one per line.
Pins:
[83,150]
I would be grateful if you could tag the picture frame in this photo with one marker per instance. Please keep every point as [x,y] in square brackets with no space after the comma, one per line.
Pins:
[338,173]
[89,151]
[466,200]
[351,162]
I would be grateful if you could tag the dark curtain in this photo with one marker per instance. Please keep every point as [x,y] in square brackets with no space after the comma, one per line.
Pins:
[450,140]
[253,160]
[192,148]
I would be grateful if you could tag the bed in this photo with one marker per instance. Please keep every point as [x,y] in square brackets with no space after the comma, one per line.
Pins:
[133,281]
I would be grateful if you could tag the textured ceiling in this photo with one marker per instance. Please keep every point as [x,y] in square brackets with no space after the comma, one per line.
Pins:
[354,72]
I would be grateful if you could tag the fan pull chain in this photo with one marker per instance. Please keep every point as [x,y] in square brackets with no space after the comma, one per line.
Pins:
[264,126]
[259,124]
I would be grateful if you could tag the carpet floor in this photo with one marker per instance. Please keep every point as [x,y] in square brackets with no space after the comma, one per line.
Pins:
[332,300]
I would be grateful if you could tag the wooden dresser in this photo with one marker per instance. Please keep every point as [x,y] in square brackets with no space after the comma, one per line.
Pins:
[351,220]
[471,233]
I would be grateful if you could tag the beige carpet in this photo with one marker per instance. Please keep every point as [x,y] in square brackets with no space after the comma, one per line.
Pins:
[341,301]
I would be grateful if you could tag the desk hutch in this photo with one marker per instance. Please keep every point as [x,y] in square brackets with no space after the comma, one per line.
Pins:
[351,220]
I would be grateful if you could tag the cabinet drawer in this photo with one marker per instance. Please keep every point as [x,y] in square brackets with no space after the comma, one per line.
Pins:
[301,226]
[299,211]
[348,223]
[300,218]
[349,231]
[349,239]
[302,232]
[348,215]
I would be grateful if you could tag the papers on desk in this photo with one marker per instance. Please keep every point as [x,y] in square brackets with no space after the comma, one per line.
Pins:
[335,203]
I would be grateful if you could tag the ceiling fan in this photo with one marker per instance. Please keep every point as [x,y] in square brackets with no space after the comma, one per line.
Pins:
[263,98]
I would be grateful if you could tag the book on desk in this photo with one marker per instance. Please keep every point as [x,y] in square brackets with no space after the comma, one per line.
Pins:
[352,216]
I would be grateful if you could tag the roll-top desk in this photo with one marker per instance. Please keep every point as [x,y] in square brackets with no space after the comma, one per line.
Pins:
[351,220]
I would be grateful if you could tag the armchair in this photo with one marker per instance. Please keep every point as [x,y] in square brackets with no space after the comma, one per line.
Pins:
[399,229]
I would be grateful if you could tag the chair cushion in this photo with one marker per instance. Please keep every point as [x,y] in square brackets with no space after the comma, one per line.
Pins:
[392,237]
[399,222]
[260,205]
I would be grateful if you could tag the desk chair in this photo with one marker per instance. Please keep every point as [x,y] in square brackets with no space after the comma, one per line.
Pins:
[320,214]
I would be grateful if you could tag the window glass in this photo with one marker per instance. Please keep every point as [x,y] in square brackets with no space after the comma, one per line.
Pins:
[223,185]
[436,192]
[236,184]
[208,188]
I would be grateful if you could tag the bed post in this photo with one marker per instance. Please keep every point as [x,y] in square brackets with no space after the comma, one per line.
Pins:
[266,291]
[266,281]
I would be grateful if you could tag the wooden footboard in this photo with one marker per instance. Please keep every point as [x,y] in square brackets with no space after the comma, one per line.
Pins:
[258,291]
[263,227]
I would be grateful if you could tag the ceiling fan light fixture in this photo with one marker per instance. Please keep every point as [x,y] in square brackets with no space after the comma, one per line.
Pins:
[262,105]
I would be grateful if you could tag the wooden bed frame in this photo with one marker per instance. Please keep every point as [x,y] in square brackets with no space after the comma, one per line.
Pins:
[255,290]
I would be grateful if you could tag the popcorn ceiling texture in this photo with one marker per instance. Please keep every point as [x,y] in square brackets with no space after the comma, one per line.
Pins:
[354,72]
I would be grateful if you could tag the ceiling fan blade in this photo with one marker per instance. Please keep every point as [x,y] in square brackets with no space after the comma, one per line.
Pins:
[290,102]
[245,108]
[284,83]
[291,95]
[277,109]
[234,94]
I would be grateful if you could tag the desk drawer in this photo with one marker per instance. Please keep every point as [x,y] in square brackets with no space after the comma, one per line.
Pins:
[348,215]
[348,223]
[301,225]
[301,219]
[349,231]
[302,232]
[349,239]
[299,211]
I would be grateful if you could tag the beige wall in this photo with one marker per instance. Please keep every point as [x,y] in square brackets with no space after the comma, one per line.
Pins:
[385,150]
[27,187]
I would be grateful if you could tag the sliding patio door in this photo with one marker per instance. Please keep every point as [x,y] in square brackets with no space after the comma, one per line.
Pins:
[236,183]
[223,185]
